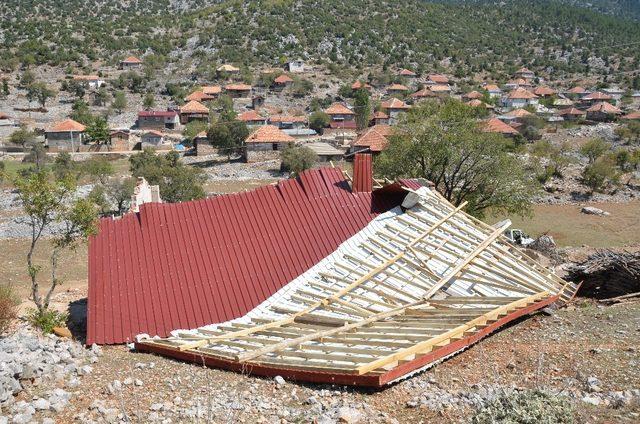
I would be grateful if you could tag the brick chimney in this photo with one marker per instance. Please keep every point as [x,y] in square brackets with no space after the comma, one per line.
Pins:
[362,173]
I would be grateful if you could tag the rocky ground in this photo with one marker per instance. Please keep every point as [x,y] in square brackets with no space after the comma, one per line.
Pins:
[594,366]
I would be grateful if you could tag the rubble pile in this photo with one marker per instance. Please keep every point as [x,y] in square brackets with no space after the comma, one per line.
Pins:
[46,367]
[606,274]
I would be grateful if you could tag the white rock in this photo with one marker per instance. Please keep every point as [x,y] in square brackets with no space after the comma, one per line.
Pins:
[41,404]
[590,210]
[349,415]
[279,380]
[592,400]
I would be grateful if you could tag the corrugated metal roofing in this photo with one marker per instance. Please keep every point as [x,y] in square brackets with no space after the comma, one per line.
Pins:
[189,264]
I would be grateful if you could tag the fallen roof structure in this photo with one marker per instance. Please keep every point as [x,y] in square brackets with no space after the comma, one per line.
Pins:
[413,287]
[189,264]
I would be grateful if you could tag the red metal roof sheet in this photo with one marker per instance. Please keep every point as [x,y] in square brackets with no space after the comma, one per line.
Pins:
[185,265]
[362,173]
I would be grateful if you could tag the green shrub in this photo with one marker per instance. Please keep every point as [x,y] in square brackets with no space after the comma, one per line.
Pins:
[8,307]
[599,174]
[528,407]
[47,319]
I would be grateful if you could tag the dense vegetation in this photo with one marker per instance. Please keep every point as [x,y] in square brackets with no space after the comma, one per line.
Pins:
[461,37]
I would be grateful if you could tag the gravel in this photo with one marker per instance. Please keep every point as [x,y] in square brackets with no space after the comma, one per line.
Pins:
[33,363]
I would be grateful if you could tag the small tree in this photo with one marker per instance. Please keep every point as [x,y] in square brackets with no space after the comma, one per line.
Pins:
[27,79]
[296,159]
[99,168]
[5,88]
[49,206]
[98,130]
[37,156]
[64,166]
[41,92]
[599,174]
[318,121]
[119,192]
[228,136]
[362,108]
[594,148]
[119,102]
[23,137]
[101,97]
[149,101]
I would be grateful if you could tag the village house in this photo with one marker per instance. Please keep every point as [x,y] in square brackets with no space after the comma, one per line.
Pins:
[380,118]
[440,89]
[238,90]
[520,98]
[199,96]
[212,90]
[473,95]
[516,115]
[194,111]
[154,140]
[90,81]
[544,91]
[595,97]
[252,118]
[394,108]
[422,94]
[373,139]
[479,103]
[282,82]
[571,114]
[341,116]
[266,143]
[359,84]
[576,93]
[525,74]
[616,94]
[494,125]
[119,141]
[493,90]
[287,122]
[227,69]
[157,119]
[130,63]
[67,135]
[406,73]
[397,90]
[632,116]
[603,111]
[295,66]
[437,79]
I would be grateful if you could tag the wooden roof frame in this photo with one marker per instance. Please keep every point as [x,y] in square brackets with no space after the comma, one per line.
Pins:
[408,290]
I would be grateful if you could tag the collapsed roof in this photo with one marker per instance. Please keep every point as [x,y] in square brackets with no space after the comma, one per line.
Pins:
[189,264]
[413,287]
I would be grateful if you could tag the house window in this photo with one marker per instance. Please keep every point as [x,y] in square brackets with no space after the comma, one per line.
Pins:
[274,146]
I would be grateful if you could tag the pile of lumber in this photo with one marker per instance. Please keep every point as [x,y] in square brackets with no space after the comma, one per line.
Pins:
[606,274]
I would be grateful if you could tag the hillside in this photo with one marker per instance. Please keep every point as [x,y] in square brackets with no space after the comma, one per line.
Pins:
[555,39]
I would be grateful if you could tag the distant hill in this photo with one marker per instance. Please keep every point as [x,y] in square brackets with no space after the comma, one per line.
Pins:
[487,37]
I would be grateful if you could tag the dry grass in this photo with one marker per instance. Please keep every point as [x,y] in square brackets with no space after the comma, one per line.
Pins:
[8,307]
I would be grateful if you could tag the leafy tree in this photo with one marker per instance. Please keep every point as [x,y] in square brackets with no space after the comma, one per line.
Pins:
[600,173]
[64,166]
[629,132]
[98,130]
[23,137]
[177,182]
[119,102]
[443,143]
[228,136]
[296,159]
[318,121]
[80,112]
[362,108]
[531,126]
[5,88]
[27,79]
[193,128]
[101,97]
[119,192]
[37,156]
[39,91]
[594,148]
[99,168]
[49,206]
[149,101]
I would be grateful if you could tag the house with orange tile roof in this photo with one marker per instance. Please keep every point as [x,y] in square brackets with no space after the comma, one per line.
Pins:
[65,136]
[479,103]
[157,119]
[373,139]
[493,90]
[238,90]
[440,89]
[473,95]
[520,98]
[130,63]
[394,108]
[632,116]
[288,122]
[576,92]
[199,96]
[194,111]
[154,140]
[265,143]
[494,125]
[572,114]
[341,116]
[281,82]
[212,90]
[525,73]
[435,79]
[380,118]
[517,83]
[359,84]
[407,73]
[422,94]
[543,91]
[251,118]
[594,98]
[397,89]
[603,111]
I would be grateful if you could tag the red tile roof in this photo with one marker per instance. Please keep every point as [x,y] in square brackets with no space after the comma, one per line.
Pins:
[380,115]
[194,106]
[237,87]
[544,91]
[604,107]
[519,113]
[212,89]
[473,95]
[250,116]
[190,264]
[269,134]
[632,116]
[397,87]
[497,126]
[577,90]
[394,104]
[597,96]
[425,92]
[282,79]
[440,88]
[359,84]
[438,78]
[131,59]
[492,87]
[407,73]
[521,93]
[375,138]
[287,118]
[338,109]
[571,111]
[199,96]
[68,125]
